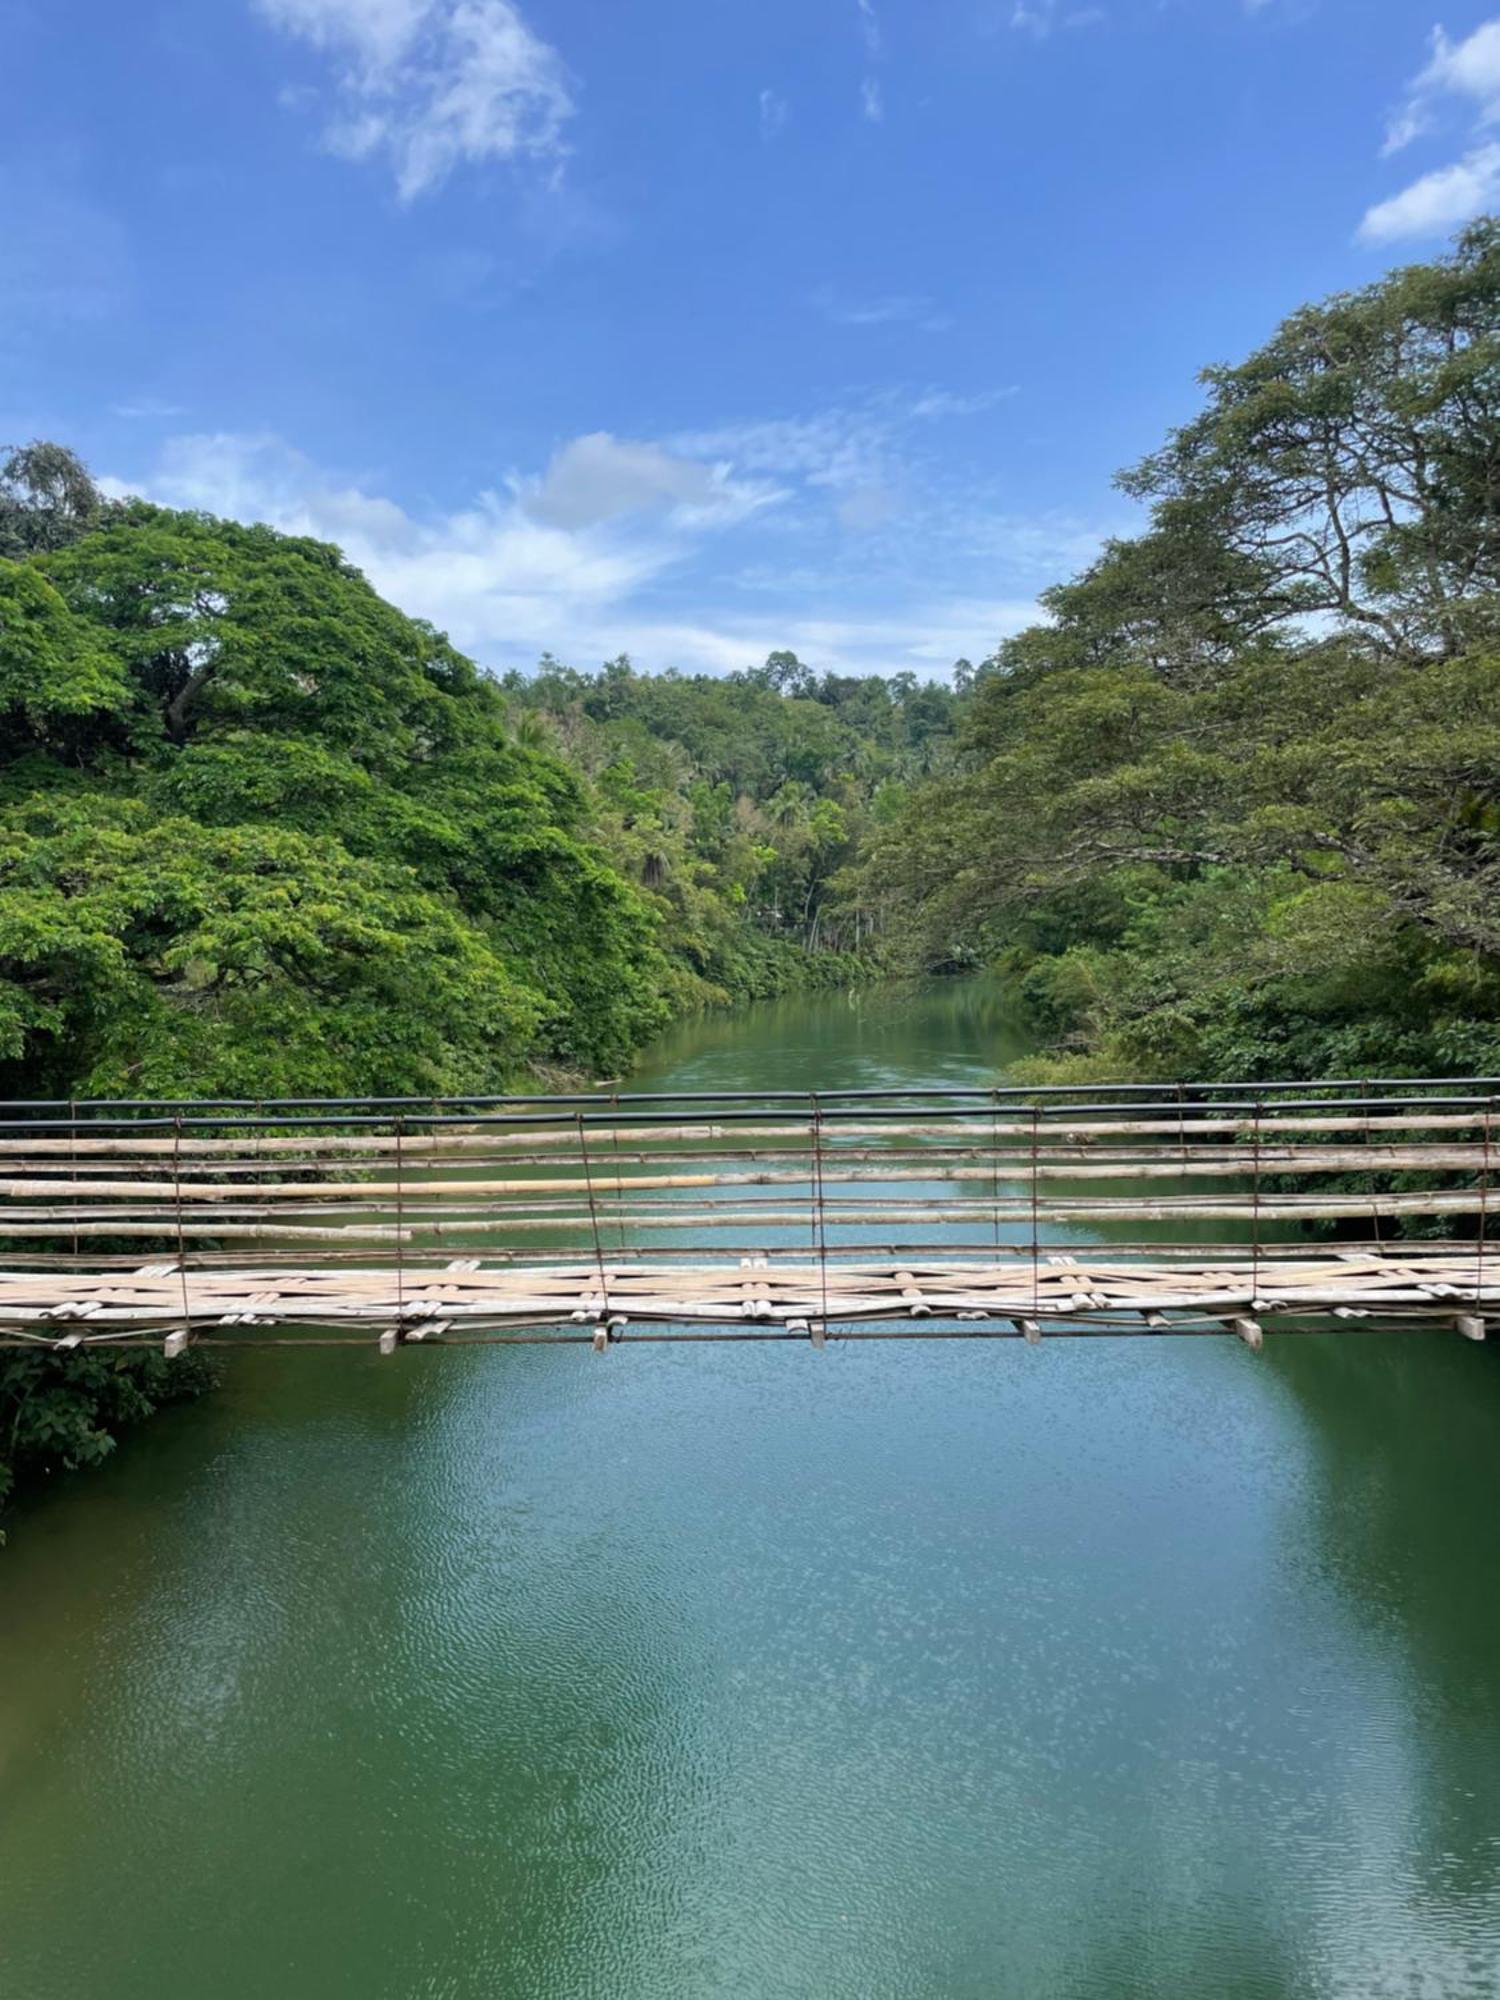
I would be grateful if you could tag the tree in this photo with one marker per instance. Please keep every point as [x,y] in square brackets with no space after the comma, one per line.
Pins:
[47,499]
[1235,809]
[1351,467]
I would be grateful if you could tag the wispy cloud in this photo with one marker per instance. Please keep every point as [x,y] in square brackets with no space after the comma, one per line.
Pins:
[774,112]
[1041,17]
[430,85]
[1469,69]
[871,93]
[896,309]
[147,409]
[492,573]
[1438,202]
[945,403]
[1467,73]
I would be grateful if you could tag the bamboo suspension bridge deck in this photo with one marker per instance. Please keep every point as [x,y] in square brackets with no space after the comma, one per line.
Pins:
[931,1213]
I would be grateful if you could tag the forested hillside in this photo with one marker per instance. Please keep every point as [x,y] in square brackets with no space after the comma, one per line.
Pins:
[1235,809]
[739,802]
[260,833]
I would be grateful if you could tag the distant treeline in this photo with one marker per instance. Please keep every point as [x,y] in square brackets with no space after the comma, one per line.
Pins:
[739,802]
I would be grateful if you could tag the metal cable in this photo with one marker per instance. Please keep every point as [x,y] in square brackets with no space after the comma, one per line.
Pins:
[588,1182]
[819,1218]
[1255,1210]
[1036,1247]
[400,1227]
[1484,1203]
[187,1313]
[995,1162]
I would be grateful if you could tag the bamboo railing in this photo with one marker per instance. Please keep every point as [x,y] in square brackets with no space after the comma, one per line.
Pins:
[755,1213]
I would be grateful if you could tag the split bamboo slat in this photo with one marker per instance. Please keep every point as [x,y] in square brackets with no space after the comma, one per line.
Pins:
[953,1213]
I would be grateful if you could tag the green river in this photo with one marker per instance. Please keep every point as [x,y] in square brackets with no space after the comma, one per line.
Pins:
[955,1671]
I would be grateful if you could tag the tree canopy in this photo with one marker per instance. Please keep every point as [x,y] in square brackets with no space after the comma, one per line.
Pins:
[261,833]
[1235,810]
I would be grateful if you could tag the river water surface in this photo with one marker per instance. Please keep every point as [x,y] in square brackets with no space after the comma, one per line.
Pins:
[1104,1669]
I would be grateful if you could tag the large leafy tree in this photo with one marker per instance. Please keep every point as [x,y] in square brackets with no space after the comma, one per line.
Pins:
[268,832]
[1351,466]
[1236,808]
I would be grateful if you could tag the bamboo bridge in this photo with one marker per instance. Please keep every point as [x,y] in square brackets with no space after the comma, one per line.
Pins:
[935,1212]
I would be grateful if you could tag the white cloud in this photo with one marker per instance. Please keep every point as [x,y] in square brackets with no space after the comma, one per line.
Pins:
[1439,201]
[429,85]
[926,638]
[602,478]
[703,550]
[869,22]
[1468,69]
[489,573]
[774,112]
[872,100]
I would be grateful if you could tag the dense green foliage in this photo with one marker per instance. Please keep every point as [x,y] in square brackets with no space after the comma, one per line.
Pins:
[738,803]
[59,1412]
[1236,809]
[261,833]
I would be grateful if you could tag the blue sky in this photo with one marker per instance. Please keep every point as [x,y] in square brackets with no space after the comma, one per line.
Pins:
[697,327]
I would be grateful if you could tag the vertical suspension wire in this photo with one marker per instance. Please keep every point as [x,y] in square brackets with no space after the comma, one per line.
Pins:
[400,1136]
[1255,1208]
[1036,1245]
[614,1126]
[187,1316]
[1366,1133]
[588,1183]
[258,1157]
[73,1170]
[1484,1207]
[995,1165]
[819,1217]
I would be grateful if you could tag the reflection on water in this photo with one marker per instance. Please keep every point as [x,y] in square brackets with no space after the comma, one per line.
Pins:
[1110,1668]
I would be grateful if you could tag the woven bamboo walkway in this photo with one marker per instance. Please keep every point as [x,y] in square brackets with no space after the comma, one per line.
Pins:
[894,1213]
[1060,1294]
